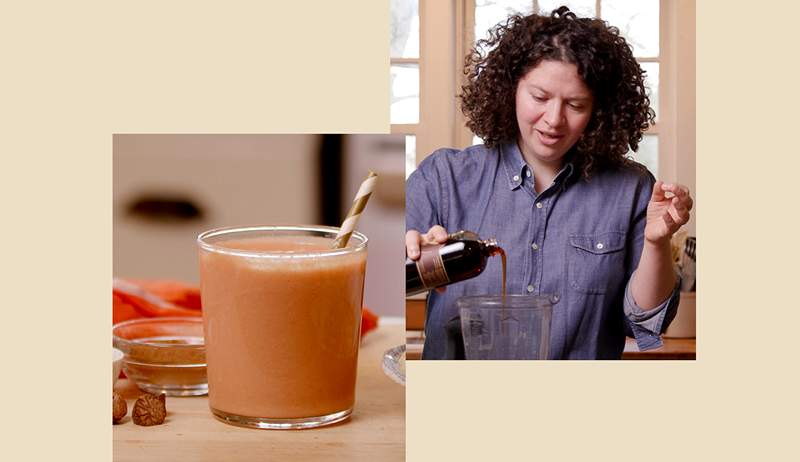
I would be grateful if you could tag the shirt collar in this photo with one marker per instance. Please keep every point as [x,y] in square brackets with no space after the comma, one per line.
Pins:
[566,172]
[516,166]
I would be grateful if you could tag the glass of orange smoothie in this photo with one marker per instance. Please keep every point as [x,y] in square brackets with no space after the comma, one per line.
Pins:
[281,318]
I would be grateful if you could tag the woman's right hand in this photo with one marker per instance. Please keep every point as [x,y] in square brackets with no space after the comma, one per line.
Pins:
[435,235]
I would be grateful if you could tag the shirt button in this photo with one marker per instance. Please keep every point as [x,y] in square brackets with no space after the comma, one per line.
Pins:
[538,205]
[556,298]
[535,246]
[530,288]
[528,173]
[516,177]
[599,246]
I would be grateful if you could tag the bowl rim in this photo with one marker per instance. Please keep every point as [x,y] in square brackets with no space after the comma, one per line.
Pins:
[391,363]
[158,320]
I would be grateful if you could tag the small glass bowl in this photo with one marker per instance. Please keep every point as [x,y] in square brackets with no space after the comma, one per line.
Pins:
[164,355]
[394,364]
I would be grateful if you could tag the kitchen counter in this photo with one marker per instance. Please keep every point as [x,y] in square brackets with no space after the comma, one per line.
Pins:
[673,348]
[375,431]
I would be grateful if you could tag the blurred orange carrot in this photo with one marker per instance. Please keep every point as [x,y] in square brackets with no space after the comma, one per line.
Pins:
[369,321]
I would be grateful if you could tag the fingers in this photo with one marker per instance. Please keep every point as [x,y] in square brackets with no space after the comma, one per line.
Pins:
[678,190]
[412,244]
[670,222]
[682,193]
[435,235]
[678,214]
[672,201]
[682,206]
[658,192]
[681,201]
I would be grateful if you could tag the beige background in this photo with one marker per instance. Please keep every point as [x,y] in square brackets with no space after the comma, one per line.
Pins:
[76,72]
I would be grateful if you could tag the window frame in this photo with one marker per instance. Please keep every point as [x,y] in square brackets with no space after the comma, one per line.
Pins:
[437,93]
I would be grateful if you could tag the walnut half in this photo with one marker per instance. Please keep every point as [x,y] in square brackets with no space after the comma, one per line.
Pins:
[149,410]
[120,408]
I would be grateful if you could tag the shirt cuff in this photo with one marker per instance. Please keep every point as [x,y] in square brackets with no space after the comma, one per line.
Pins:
[647,325]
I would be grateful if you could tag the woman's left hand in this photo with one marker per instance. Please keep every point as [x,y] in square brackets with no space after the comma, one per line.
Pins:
[666,214]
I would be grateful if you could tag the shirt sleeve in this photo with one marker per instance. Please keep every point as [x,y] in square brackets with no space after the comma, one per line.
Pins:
[646,325]
[423,197]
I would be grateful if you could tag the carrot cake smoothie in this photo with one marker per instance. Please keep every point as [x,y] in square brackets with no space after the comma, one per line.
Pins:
[281,318]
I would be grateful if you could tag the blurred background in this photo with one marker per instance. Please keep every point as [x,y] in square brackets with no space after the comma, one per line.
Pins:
[169,188]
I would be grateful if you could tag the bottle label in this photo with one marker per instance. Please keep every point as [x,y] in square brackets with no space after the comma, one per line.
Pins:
[431,267]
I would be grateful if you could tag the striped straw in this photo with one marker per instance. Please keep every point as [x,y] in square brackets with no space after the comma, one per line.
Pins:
[360,201]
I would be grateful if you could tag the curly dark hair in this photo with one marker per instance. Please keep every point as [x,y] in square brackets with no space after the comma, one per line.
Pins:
[621,111]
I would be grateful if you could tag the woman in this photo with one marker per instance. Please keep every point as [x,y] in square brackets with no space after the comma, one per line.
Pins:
[558,101]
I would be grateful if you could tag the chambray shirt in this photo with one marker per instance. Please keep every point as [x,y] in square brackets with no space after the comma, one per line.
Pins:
[578,240]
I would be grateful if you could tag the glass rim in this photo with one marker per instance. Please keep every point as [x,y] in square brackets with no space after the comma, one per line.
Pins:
[202,241]
[509,302]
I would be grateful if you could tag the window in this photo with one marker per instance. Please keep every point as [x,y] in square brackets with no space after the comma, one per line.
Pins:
[404,54]
[404,73]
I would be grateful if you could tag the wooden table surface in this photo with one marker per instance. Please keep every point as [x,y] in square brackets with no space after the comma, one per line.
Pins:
[375,431]
[673,348]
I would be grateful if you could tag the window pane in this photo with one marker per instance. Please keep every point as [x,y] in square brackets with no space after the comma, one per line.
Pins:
[581,8]
[411,154]
[651,82]
[490,12]
[404,105]
[404,29]
[637,22]
[648,153]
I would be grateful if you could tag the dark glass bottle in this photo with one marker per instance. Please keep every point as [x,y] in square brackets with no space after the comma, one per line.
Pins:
[463,256]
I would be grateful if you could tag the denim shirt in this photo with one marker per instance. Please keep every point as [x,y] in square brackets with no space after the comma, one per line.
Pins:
[577,240]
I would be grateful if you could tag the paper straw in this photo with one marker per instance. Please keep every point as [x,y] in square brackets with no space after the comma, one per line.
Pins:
[360,201]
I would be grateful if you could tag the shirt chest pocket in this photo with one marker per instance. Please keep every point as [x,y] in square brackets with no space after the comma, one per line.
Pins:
[596,262]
